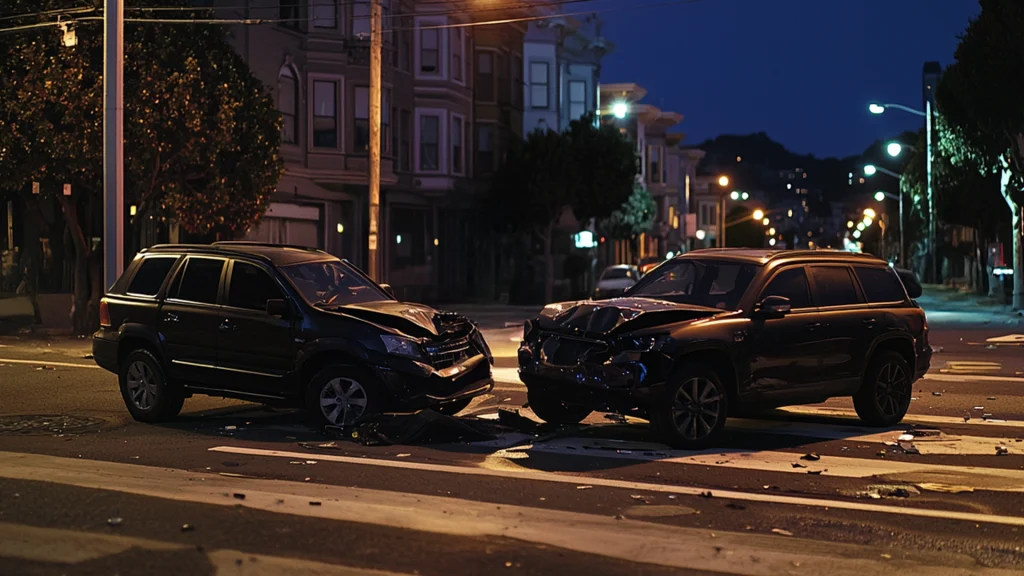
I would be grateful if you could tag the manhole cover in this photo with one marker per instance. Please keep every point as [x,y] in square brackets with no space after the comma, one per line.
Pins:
[42,425]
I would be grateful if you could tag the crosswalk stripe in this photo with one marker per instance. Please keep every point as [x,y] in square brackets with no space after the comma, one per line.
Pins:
[522,473]
[46,363]
[635,541]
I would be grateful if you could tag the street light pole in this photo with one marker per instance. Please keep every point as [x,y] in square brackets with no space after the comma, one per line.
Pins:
[934,276]
[113,141]
[376,42]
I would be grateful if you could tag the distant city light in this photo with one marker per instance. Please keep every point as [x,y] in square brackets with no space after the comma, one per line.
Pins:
[723,181]
[132,210]
[856,233]
[584,239]
[436,242]
[766,221]
[879,196]
[745,196]
[789,186]
[850,224]
[894,149]
[670,255]
[771,241]
[876,108]
[867,222]
[870,213]
[870,170]
[701,234]
[619,109]
[861,226]
[735,195]
[739,159]
[340,228]
[398,239]
[758,214]
[790,213]
[771,231]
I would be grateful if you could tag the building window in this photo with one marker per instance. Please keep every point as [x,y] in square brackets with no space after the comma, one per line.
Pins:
[292,13]
[654,164]
[394,133]
[485,76]
[457,54]
[288,104]
[430,135]
[517,81]
[405,62]
[430,51]
[325,114]
[539,84]
[361,125]
[457,145]
[325,14]
[361,18]
[484,148]
[502,73]
[577,99]
[405,147]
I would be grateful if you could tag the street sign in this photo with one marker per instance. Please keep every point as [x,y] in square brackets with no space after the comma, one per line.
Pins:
[67,189]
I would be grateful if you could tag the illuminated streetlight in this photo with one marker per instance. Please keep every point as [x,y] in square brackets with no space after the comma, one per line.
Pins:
[856,233]
[723,181]
[766,221]
[870,213]
[758,214]
[701,234]
[867,221]
[894,149]
[876,108]
[849,224]
[879,196]
[619,109]
[870,169]
[735,195]
[771,231]
[745,196]
[860,226]
[771,242]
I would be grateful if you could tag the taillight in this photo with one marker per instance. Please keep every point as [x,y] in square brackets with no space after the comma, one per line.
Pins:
[104,313]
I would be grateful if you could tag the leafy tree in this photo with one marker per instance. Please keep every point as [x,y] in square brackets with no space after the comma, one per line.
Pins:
[633,218]
[979,98]
[201,134]
[585,169]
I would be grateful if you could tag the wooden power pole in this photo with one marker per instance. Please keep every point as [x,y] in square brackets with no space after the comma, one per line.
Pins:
[376,43]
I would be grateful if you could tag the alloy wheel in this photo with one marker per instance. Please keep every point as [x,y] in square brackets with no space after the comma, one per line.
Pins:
[891,388]
[343,401]
[142,385]
[696,408]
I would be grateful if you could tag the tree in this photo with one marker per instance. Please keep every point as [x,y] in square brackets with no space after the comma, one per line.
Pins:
[633,218]
[979,98]
[585,169]
[201,134]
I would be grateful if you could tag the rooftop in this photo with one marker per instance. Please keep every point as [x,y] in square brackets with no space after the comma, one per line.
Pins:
[763,256]
[276,254]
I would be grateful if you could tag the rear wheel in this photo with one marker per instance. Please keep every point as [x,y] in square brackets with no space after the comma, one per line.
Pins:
[553,411]
[341,396]
[884,397]
[693,410]
[145,389]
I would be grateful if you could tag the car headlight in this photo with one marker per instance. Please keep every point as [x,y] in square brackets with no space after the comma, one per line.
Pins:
[400,346]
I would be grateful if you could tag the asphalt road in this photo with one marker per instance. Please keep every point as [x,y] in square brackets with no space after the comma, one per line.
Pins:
[236,488]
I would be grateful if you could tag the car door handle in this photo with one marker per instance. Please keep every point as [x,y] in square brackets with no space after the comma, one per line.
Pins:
[226,326]
[870,322]
[171,318]
[814,326]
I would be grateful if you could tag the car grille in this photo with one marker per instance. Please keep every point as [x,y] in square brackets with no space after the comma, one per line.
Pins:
[450,353]
[568,351]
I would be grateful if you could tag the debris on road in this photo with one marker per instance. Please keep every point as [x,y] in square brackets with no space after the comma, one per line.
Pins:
[187,527]
[735,506]
[636,496]
[815,472]
[239,496]
[945,488]
[781,532]
[1002,450]
[811,457]
[978,408]
[798,465]
[905,437]
[115,521]
[990,398]
[403,455]
[877,491]
[314,503]
[936,393]
[706,494]
[589,487]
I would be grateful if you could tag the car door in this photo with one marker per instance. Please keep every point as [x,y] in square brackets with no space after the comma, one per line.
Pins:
[188,320]
[785,352]
[257,352]
[848,322]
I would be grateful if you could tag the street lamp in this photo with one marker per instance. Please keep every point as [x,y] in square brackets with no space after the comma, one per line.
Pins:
[758,214]
[879,196]
[870,213]
[894,149]
[700,234]
[723,181]
[876,108]
[735,195]
[870,169]
[766,221]
[619,109]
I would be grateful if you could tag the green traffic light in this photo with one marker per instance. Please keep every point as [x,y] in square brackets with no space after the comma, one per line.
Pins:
[879,196]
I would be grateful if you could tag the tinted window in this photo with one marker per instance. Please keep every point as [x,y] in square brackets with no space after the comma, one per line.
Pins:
[790,284]
[150,277]
[251,287]
[200,280]
[833,286]
[332,283]
[880,284]
[711,283]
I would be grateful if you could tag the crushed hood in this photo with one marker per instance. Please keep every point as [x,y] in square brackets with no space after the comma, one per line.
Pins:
[413,319]
[601,318]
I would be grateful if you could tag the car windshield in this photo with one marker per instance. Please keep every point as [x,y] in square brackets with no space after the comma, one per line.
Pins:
[332,283]
[711,283]
[617,273]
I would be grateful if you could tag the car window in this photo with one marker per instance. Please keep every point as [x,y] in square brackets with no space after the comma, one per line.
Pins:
[710,283]
[251,287]
[198,280]
[792,284]
[880,284]
[617,274]
[151,274]
[833,286]
[331,283]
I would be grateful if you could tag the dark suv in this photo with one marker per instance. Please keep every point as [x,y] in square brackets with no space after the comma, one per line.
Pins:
[280,325]
[724,332]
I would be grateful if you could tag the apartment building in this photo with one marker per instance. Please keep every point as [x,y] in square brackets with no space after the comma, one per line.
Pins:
[562,66]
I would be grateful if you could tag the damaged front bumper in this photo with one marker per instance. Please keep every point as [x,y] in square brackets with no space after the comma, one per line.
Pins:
[414,385]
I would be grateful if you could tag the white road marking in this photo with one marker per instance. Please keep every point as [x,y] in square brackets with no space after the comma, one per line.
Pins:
[1009,338]
[963,378]
[46,363]
[525,474]
[908,419]
[630,540]
[506,375]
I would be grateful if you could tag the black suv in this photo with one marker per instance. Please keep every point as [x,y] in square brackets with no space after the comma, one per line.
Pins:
[725,332]
[280,325]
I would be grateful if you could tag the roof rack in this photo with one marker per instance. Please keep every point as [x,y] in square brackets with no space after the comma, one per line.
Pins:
[229,243]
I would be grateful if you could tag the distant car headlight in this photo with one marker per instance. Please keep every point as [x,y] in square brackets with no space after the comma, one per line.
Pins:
[400,346]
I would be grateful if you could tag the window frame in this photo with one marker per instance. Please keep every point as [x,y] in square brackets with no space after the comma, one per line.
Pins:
[163,284]
[336,18]
[460,155]
[477,166]
[183,269]
[853,279]
[546,84]
[230,278]
[807,278]
[574,102]
[385,120]
[423,26]
[439,145]
[339,105]
[889,272]
[288,71]
[485,79]
[457,38]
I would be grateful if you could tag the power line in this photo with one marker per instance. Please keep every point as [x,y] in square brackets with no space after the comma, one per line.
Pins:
[60,12]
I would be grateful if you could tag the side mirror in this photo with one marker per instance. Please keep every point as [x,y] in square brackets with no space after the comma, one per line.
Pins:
[278,308]
[388,290]
[773,307]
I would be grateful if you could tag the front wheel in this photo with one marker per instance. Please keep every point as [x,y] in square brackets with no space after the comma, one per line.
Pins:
[692,412]
[554,411]
[341,396]
[145,389]
[884,397]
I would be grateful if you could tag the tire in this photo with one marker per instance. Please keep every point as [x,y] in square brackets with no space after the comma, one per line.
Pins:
[341,382]
[145,389]
[693,409]
[884,397]
[453,408]
[554,411]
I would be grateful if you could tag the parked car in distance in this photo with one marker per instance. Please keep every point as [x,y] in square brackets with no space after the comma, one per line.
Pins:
[280,325]
[722,332]
[615,280]
[648,264]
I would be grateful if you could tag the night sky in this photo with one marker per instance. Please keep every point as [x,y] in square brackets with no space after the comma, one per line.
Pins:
[801,70]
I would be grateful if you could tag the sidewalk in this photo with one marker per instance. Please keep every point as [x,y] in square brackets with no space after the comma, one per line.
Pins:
[953,305]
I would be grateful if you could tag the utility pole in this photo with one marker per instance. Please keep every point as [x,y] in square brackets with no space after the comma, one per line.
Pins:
[376,43]
[113,141]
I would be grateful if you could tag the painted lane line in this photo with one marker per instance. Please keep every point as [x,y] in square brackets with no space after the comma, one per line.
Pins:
[521,473]
[965,378]
[68,547]
[908,419]
[46,363]
[631,540]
